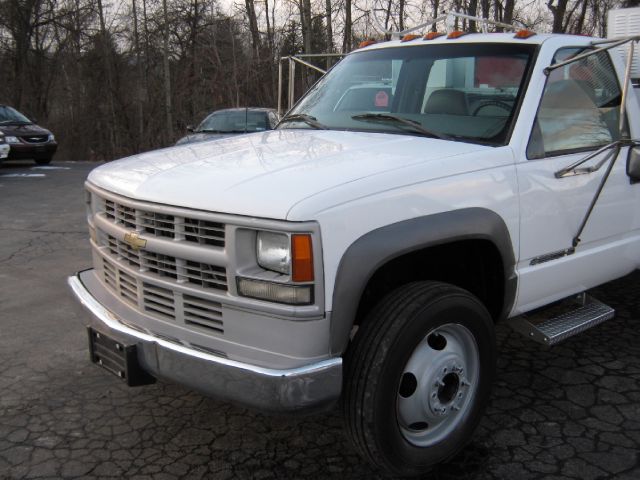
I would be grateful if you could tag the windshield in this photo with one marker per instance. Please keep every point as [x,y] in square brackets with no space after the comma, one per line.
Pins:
[465,92]
[235,121]
[10,115]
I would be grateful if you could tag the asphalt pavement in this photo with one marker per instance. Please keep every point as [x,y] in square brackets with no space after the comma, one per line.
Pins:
[569,412]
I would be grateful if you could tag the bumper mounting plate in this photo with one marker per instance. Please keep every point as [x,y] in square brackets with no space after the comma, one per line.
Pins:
[117,358]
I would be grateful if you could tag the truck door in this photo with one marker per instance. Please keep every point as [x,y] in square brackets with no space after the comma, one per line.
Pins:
[578,114]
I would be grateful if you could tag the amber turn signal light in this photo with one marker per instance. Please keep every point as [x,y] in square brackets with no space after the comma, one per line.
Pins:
[301,258]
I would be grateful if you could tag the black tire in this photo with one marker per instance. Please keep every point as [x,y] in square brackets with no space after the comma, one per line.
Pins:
[43,161]
[374,368]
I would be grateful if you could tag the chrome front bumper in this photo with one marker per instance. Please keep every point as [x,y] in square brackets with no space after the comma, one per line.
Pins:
[311,387]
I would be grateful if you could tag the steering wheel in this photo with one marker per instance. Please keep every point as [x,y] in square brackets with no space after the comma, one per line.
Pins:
[492,103]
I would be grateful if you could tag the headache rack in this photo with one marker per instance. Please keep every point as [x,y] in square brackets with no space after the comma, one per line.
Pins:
[449,18]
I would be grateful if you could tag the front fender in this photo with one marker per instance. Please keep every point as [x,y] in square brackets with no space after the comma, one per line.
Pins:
[374,249]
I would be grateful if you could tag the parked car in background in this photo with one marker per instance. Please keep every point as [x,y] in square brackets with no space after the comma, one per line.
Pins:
[26,139]
[230,122]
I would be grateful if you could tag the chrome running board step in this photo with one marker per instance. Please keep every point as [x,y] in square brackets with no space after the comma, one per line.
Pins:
[563,319]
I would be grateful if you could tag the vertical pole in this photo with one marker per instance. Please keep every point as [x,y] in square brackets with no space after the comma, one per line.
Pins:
[280,88]
[292,79]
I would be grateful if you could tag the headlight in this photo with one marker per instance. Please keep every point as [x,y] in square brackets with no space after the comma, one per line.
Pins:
[274,252]
[287,254]
[51,138]
[12,139]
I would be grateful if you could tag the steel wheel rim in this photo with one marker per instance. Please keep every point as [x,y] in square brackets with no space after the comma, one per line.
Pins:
[438,385]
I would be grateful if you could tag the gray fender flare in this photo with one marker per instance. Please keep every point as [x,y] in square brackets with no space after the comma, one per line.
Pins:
[374,249]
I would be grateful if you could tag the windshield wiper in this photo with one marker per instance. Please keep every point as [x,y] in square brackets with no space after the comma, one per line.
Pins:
[308,119]
[388,118]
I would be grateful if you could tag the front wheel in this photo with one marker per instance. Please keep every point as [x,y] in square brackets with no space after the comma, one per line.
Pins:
[418,376]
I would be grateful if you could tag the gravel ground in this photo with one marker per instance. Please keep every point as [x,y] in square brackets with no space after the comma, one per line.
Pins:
[570,412]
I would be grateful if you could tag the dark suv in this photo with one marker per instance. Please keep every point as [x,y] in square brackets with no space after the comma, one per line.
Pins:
[26,139]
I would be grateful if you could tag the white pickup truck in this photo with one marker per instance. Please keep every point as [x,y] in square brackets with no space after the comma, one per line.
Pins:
[423,190]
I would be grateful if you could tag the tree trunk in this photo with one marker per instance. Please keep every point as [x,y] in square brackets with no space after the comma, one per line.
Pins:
[305,23]
[509,5]
[583,14]
[329,29]
[347,40]
[558,12]
[435,5]
[486,6]
[473,11]
[167,76]
[253,26]
[139,92]
[106,55]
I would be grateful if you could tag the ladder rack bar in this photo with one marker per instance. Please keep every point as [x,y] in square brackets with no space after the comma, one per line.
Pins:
[484,22]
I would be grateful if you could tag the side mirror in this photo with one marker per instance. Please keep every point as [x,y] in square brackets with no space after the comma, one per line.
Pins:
[633,164]
[190,128]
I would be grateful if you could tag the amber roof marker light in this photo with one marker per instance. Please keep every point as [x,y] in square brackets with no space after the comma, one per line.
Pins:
[456,34]
[366,43]
[433,35]
[523,34]
[408,37]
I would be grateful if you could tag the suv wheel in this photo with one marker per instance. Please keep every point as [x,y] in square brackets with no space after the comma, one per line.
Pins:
[418,376]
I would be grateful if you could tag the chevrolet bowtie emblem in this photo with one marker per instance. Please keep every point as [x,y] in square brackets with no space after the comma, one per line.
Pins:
[134,240]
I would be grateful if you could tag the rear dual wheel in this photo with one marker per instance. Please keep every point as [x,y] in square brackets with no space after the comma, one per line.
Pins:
[418,376]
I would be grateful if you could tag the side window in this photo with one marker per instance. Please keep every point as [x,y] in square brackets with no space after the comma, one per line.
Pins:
[580,107]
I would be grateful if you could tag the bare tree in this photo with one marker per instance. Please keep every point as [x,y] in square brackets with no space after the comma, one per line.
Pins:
[348,34]
[558,11]
[167,74]
[329,20]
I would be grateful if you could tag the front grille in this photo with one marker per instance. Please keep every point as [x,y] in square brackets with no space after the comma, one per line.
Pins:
[35,138]
[164,275]
[121,250]
[120,282]
[161,265]
[128,288]
[203,232]
[158,300]
[162,302]
[204,313]
[185,229]
[203,275]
